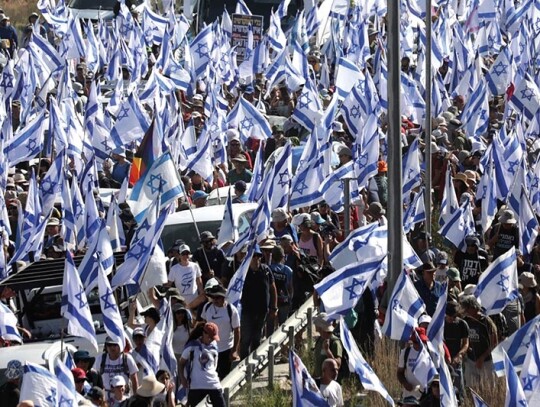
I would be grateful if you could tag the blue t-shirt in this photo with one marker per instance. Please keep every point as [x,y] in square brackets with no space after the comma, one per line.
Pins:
[283,280]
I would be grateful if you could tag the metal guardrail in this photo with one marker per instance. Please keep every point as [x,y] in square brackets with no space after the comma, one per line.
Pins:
[264,355]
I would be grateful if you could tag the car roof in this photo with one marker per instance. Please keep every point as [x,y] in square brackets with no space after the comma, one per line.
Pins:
[206,213]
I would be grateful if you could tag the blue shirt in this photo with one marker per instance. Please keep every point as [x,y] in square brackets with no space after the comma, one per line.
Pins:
[429,296]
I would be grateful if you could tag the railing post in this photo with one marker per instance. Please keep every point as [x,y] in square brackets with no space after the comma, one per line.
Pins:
[271,350]
[249,379]
[291,338]
[226,396]
[310,327]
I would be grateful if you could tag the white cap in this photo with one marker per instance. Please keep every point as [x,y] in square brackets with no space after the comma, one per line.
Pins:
[118,380]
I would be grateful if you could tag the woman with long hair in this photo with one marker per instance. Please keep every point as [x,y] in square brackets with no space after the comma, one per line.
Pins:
[182,328]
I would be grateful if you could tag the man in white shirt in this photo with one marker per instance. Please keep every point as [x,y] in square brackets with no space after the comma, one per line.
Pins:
[330,389]
[114,362]
[186,276]
[226,317]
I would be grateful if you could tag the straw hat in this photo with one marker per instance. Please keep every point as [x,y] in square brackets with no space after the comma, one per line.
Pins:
[150,387]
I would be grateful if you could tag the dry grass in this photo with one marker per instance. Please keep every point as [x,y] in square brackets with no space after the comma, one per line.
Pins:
[18,11]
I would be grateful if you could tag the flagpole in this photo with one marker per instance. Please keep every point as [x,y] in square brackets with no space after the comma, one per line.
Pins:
[427,178]
[395,212]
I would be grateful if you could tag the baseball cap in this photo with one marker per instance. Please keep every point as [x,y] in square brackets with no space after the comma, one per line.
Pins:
[118,380]
[78,374]
[138,332]
[212,329]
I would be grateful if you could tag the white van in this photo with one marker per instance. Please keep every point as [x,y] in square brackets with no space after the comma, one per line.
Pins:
[180,225]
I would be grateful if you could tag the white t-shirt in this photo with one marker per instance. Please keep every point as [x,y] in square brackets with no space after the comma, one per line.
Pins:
[185,279]
[220,317]
[179,339]
[116,367]
[332,393]
[204,364]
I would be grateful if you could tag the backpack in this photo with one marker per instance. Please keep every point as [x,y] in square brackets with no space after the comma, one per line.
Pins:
[229,311]
[125,367]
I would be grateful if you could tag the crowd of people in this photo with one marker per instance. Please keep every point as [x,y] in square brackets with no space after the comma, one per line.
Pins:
[211,334]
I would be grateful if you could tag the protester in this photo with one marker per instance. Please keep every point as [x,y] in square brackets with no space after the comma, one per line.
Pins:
[330,388]
[114,362]
[209,257]
[187,277]
[201,353]
[327,345]
[10,390]
[225,315]
[260,303]
[84,361]
[182,328]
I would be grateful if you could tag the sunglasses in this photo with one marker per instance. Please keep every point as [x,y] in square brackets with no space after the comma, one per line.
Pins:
[185,254]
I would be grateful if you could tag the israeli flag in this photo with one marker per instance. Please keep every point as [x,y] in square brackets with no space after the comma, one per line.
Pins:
[281,177]
[112,320]
[40,386]
[161,181]
[515,346]
[459,226]
[526,97]
[234,291]
[75,306]
[228,228]
[305,392]
[477,400]
[449,202]
[347,76]
[404,308]
[358,364]
[515,396]
[498,285]
[67,394]
[8,324]
[27,142]
[131,122]
[308,110]
[530,374]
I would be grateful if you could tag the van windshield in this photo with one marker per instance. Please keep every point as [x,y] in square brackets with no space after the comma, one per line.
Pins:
[188,233]
[98,5]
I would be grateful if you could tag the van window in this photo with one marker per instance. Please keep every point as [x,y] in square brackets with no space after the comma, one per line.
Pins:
[47,306]
[188,233]
[98,5]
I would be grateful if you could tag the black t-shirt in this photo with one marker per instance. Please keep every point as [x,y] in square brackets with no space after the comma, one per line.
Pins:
[256,291]
[507,238]
[470,266]
[454,332]
[479,336]
[216,258]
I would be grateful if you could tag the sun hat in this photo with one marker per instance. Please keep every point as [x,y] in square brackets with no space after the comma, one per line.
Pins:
[152,313]
[508,217]
[118,380]
[279,215]
[428,266]
[150,387]
[287,237]
[527,279]
[338,127]
[240,158]
[212,329]
[344,150]
[14,370]
[268,244]
[83,355]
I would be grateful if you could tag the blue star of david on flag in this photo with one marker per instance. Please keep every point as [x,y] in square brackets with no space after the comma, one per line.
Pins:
[238,284]
[283,178]
[304,101]
[156,187]
[527,93]
[500,68]
[52,396]
[105,298]
[123,114]
[79,296]
[300,186]
[352,288]
[503,282]
[246,124]
[202,50]
[65,402]
[7,81]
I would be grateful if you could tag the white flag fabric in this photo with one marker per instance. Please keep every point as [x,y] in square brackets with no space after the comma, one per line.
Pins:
[515,396]
[8,324]
[39,385]
[112,320]
[341,290]
[498,285]
[404,308]
[526,97]
[67,394]
[358,364]
[27,142]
